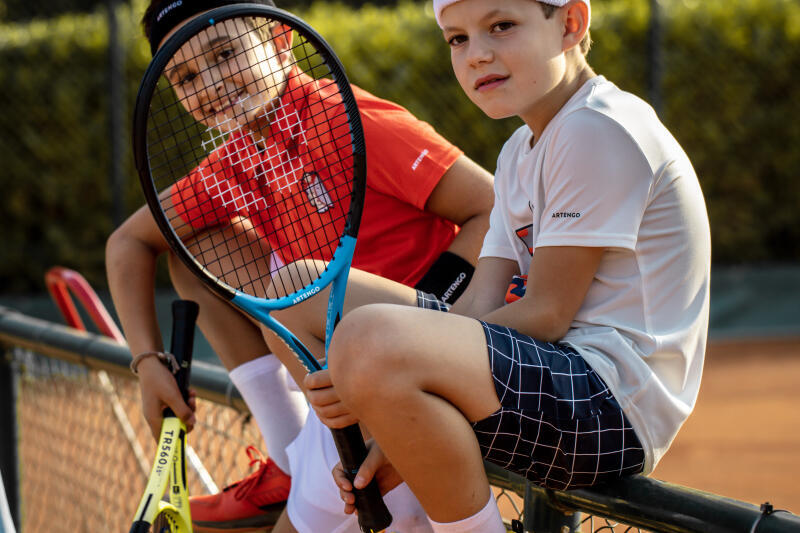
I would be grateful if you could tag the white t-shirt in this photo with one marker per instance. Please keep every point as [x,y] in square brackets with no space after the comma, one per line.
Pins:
[607,173]
[314,504]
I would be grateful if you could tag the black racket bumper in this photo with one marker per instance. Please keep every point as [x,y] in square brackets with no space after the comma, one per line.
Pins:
[140,526]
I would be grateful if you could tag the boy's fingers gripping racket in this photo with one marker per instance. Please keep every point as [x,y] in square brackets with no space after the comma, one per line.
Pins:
[250,152]
[169,466]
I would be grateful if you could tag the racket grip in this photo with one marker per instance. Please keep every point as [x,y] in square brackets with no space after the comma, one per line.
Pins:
[373,516]
[184,316]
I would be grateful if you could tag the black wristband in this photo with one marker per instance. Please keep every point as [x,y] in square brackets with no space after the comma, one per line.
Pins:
[447,277]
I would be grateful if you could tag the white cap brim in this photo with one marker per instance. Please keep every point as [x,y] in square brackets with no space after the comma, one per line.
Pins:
[439,5]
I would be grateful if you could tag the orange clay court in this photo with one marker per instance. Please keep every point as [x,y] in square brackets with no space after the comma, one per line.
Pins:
[743,438]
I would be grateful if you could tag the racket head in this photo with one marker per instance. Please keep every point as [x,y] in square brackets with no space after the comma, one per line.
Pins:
[250,153]
[258,154]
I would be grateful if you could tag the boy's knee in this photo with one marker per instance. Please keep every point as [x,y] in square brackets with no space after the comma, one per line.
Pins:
[351,337]
[359,355]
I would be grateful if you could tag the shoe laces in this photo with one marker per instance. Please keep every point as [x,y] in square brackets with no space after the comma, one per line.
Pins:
[244,487]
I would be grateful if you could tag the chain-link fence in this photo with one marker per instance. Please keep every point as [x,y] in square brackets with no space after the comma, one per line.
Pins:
[86,451]
[73,438]
[720,73]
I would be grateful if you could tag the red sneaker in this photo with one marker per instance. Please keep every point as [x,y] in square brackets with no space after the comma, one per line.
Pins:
[252,504]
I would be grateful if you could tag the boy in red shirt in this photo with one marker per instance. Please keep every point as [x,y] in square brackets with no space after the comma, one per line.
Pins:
[425,214]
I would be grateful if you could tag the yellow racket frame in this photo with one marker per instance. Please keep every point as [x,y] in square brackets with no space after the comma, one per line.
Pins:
[169,470]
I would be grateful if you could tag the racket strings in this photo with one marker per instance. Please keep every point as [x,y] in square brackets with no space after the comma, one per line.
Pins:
[285,164]
[255,166]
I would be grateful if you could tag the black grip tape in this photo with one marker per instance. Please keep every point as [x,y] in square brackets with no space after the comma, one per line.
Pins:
[373,515]
[184,316]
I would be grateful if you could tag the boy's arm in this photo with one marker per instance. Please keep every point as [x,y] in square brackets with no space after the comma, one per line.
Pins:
[131,255]
[558,280]
[464,196]
[132,251]
[487,289]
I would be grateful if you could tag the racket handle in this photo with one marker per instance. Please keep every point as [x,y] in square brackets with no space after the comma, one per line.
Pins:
[373,516]
[184,316]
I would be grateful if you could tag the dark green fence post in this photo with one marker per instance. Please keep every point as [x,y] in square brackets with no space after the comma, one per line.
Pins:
[9,460]
[543,516]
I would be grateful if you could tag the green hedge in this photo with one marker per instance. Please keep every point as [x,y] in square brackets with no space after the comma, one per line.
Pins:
[737,116]
[728,96]
[53,147]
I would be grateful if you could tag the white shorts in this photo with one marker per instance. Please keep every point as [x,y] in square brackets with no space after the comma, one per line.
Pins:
[314,505]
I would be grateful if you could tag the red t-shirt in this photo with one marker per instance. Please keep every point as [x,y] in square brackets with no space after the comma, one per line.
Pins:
[288,185]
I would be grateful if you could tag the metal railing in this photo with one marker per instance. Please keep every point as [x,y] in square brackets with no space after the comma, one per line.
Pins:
[68,462]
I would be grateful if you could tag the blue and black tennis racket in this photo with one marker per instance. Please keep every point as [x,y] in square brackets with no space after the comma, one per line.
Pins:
[250,152]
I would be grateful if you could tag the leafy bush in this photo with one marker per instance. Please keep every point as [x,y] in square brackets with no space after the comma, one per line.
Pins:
[728,96]
[732,100]
[727,89]
[24,10]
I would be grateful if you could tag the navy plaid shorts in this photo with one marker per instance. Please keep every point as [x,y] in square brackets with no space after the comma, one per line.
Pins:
[427,300]
[558,424]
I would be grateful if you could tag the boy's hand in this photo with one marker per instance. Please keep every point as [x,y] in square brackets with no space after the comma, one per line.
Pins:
[159,390]
[375,465]
[323,398]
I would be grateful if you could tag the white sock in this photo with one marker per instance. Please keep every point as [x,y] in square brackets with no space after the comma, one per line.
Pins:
[487,520]
[278,411]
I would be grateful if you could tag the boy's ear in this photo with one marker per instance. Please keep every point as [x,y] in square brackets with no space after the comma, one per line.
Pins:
[281,37]
[576,23]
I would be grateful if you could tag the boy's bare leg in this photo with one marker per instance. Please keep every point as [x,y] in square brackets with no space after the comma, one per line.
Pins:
[235,338]
[307,319]
[278,411]
[284,525]
[416,378]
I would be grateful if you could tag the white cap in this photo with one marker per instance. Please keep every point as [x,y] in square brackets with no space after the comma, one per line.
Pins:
[439,5]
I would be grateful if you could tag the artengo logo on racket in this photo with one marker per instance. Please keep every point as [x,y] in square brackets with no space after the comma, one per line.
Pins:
[306,295]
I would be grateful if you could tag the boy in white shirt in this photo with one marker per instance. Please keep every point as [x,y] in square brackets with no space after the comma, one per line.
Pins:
[584,375]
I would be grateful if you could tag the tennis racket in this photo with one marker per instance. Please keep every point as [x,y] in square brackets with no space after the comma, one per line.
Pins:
[169,466]
[250,152]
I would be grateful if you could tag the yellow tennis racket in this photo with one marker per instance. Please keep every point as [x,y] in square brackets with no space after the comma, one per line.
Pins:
[155,514]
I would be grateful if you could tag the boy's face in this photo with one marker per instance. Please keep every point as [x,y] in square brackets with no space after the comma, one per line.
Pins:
[227,76]
[506,55]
